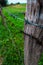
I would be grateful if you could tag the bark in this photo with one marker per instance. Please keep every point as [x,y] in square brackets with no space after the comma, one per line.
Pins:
[32,50]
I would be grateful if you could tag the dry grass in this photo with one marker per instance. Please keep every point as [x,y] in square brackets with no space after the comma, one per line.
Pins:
[18,6]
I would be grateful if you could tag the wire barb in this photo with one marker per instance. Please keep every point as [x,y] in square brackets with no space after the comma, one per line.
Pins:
[37,25]
[37,40]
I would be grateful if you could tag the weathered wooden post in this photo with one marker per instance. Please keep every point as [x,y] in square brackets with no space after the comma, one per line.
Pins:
[3,17]
[33,32]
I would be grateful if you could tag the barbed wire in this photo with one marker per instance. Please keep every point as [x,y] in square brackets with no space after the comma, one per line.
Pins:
[40,43]
[31,36]
[14,16]
[34,24]
[26,21]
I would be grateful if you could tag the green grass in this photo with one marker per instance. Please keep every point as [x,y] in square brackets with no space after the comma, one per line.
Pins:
[12,52]
[12,43]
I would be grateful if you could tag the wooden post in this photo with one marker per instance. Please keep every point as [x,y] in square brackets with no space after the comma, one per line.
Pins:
[3,17]
[4,23]
[34,14]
